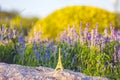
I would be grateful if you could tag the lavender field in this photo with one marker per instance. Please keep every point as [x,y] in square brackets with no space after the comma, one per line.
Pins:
[80,36]
[82,50]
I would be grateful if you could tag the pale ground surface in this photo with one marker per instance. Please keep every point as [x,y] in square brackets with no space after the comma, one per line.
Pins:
[18,72]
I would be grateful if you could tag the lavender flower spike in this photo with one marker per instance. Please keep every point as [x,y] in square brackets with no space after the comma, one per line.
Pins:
[118,55]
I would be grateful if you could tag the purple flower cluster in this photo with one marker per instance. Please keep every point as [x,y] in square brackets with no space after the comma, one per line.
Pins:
[92,38]
[70,35]
[6,34]
[36,36]
[118,55]
[21,43]
[36,53]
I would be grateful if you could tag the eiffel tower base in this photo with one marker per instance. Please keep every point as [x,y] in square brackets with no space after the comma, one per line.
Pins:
[59,64]
[59,68]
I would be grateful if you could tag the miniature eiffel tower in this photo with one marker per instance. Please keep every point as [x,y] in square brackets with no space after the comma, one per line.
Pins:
[59,64]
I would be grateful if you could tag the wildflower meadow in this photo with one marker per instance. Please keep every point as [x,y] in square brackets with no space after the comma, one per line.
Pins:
[82,50]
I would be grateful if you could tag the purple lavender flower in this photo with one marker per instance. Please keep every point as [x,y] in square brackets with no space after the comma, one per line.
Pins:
[54,48]
[72,30]
[47,53]
[85,32]
[36,53]
[23,45]
[20,39]
[2,28]
[34,45]
[99,41]
[7,29]
[118,55]
[21,49]
[106,32]
[68,40]
[9,36]
[87,24]
[50,44]
[92,37]
[48,48]
[113,34]
[107,39]
[63,35]
[96,30]
[14,33]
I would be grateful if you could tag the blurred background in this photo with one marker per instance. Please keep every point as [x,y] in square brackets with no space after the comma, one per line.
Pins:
[50,17]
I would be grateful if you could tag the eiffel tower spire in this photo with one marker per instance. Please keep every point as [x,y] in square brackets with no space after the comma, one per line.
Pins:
[59,64]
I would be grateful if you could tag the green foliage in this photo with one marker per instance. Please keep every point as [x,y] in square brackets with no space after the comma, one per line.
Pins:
[27,57]
[90,60]
[59,19]
[7,53]
[77,57]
